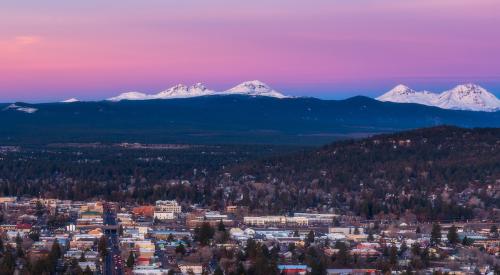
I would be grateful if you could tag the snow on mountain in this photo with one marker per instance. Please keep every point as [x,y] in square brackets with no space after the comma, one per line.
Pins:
[404,94]
[251,88]
[254,88]
[24,109]
[469,97]
[70,100]
[131,96]
[183,91]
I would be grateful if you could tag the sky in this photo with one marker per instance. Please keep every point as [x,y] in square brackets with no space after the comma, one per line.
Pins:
[94,49]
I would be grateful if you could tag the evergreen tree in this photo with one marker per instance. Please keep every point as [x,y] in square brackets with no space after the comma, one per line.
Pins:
[435,234]
[131,259]
[466,241]
[88,271]
[8,263]
[221,226]
[453,235]
[310,237]
[494,231]
[204,233]
[19,246]
[356,231]
[218,271]
[342,258]
[180,249]
[370,237]
[393,256]
[82,257]
[170,237]
[103,246]
[54,255]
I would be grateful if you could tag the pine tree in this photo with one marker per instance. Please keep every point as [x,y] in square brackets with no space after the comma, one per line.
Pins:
[204,233]
[310,237]
[88,271]
[453,235]
[418,230]
[19,246]
[82,257]
[436,234]
[393,256]
[54,255]
[221,226]
[8,263]
[218,271]
[180,249]
[131,260]
[103,246]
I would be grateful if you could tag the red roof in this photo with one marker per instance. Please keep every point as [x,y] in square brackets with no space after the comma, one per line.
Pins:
[23,226]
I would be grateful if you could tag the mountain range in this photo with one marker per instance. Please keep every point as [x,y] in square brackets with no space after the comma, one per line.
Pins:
[222,119]
[469,97]
[250,88]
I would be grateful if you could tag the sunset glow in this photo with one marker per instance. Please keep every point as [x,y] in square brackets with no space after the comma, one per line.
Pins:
[327,48]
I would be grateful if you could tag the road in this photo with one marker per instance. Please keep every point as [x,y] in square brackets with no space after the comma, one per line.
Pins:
[113,264]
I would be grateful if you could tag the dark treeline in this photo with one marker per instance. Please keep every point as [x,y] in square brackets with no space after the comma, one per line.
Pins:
[427,174]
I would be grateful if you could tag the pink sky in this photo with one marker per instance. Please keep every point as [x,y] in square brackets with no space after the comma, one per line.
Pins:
[329,48]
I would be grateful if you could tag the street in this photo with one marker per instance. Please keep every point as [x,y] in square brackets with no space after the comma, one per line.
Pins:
[113,264]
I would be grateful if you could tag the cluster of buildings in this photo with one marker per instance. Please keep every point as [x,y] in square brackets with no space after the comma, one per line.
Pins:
[160,238]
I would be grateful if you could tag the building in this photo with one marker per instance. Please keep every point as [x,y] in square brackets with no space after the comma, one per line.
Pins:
[162,215]
[275,221]
[293,269]
[191,268]
[168,206]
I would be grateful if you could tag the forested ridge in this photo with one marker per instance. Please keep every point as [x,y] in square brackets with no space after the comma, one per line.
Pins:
[432,173]
[442,172]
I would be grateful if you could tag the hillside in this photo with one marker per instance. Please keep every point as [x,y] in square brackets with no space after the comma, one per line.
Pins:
[442,172]
[232,119]
[426,174]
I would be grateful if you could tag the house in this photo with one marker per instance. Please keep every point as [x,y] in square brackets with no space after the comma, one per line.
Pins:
[149,270]
[162,215]
[293,269]
[349,271]
[190,268]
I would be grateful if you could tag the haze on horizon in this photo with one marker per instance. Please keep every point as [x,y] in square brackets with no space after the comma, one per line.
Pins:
[326,48]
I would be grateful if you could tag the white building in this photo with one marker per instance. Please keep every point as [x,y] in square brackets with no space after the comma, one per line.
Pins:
[162,215]
[168,206]
[275,220]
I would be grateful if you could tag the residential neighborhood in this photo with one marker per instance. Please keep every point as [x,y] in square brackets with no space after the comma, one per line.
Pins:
[51,236]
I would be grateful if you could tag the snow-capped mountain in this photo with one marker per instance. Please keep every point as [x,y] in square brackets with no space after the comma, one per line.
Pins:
[251,88]
[183,91]
[131,96]
[254,88]
[70,100]
[404,94]
[15,107]
[469,97]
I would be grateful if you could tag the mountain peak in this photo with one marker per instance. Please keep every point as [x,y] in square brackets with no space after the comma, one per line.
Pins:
[250,88]
[183,91]
[467,96]
[254,88]
[402,89]
[70,100]
[130,96]
[404,94]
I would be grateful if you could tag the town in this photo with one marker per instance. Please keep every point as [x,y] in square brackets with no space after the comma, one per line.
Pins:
[52,236]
